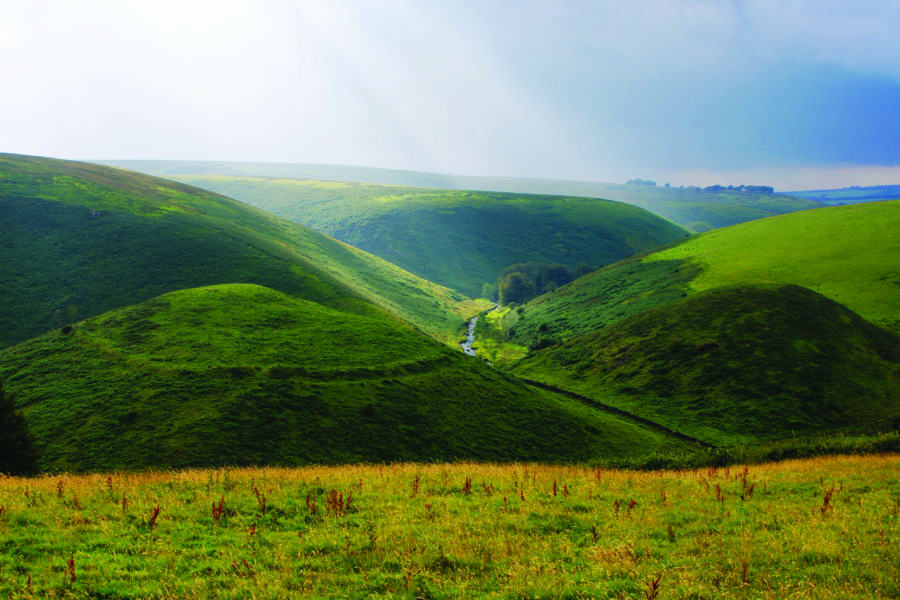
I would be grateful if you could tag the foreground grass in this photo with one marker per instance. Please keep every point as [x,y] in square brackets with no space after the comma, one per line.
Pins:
[822,528]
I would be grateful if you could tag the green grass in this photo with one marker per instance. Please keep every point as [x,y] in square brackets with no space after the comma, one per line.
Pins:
[460,239]
[699,210]
[737,364]
[240,374]
[78,239]
[762,532]
[690,207]
[850,254]
[596,300]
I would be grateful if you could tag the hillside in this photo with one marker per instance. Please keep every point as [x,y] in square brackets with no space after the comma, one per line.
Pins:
[460,239]
[850,195]
[691,207]
[78,239]
[850,254]
[240,374]
[737,364]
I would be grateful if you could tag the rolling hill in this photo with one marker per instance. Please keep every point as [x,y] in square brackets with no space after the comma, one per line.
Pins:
[240,374]
[460,239]
[850,254]
[78,239]
[692,207]
[737,364]
[795,309]
[849,195]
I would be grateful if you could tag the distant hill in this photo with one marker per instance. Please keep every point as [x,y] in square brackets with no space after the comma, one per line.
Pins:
[691,207]
[850,195]
[737,364]
[459,239]
[78,239]
[241,374]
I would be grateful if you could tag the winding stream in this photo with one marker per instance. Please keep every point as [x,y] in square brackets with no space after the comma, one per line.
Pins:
[470,337]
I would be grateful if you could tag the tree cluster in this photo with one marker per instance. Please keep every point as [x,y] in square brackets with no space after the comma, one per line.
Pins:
[523,281]
[18,452]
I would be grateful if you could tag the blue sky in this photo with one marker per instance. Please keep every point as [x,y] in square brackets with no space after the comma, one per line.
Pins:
[792,93]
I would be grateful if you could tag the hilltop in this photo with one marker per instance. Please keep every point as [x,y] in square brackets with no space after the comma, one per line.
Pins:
[698,209]
[849,254]
[460,239]
[849,195]
[240,374]
[793,317]
[79,239]
[737,364]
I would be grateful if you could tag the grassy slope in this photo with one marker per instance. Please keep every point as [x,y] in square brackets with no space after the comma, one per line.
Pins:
[460,239]
[736,364]
[78,239]
[700,211]
[850,254]
[689,207]
[240,374]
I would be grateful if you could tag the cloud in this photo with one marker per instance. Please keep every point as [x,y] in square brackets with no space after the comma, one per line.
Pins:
[600,89]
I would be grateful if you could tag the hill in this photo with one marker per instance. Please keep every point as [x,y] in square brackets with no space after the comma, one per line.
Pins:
[847,253]
[240,374]
[698,209]
[849,195]
[78,239]
[850,254]
[460,239]
[736,364]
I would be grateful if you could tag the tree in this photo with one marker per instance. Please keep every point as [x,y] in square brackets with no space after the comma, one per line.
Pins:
[18,452]
[515,287]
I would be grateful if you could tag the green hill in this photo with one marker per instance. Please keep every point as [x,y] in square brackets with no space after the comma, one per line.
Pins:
[850,195]
[241,374]
[78,239]
[850,254]
[698,209]
[736,364]
[460,239]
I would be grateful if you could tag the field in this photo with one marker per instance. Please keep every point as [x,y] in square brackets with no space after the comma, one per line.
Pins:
[820,528]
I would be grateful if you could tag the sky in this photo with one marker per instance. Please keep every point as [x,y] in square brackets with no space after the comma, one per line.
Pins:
[799,94]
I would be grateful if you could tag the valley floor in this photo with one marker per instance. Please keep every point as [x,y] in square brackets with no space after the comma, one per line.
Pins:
[820,528]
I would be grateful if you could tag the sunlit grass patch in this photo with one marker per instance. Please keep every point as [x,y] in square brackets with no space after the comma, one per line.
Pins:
[414,530]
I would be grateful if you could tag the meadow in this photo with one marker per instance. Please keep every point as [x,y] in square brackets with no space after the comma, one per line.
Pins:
[819,528]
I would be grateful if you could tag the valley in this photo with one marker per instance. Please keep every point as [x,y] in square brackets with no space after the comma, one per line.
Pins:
[545,396]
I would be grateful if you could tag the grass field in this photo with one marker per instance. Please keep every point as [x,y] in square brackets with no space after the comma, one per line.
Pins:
[821,529]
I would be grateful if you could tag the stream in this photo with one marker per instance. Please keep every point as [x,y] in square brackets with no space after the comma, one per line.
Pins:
[470,335]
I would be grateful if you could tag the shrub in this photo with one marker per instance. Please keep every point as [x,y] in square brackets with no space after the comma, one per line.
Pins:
[18,453]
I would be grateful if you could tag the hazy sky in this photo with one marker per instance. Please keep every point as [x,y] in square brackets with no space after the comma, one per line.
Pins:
[794,93]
